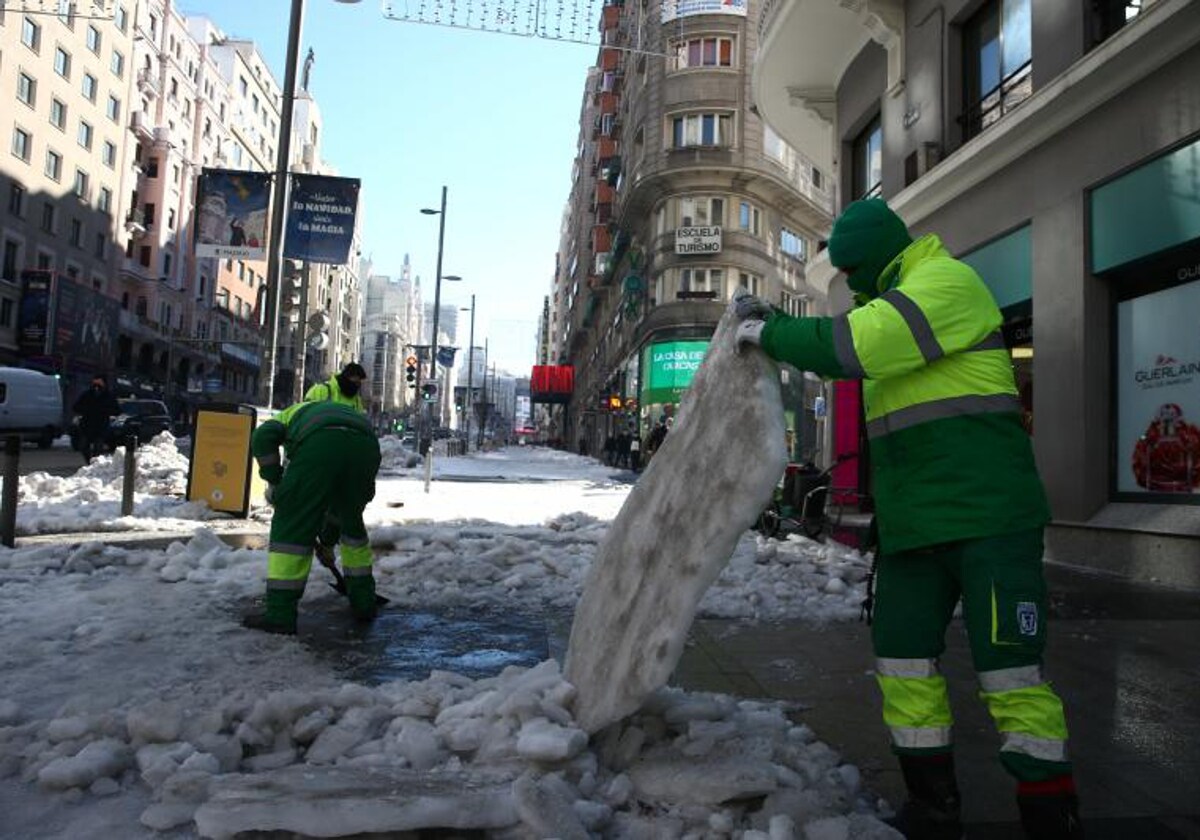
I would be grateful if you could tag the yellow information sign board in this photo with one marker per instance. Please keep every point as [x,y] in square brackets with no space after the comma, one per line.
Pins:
[220,471]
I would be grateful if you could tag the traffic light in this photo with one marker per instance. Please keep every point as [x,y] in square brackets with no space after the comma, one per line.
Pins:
[614,403]
[429,391]
[410,371]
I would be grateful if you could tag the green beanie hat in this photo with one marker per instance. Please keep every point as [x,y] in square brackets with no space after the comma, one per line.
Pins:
[865,238]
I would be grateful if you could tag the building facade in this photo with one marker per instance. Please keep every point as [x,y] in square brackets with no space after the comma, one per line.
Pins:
[68,84]
[680,195]
[1054,146]
[114,120]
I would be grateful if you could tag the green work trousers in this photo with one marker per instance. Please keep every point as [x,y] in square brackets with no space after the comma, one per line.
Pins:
[999,580]
[329,480]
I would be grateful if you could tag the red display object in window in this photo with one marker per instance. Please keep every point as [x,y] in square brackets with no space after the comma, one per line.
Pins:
[1166,458]
[552,383]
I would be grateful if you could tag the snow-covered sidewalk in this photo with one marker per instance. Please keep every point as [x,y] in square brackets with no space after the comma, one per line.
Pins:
[134,703]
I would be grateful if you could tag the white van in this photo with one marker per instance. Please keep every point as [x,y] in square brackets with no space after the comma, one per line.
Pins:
[30,403]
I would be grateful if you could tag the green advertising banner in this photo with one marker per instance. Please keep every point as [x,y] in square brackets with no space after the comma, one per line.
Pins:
[668,369]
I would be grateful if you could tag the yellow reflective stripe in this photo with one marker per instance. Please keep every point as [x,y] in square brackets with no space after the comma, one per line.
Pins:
[1010,679]
[1034,714]
[958,375]
[910,668]
[926,738]
[843,348]
[918,324]
[962,406]
[286,566]
[356,556]
[915,703]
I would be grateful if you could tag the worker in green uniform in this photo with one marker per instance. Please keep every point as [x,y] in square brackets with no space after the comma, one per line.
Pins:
[332,458]
[344,388]
[959,504]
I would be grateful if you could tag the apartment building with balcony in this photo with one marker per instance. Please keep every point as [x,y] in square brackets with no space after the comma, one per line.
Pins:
[66,79]
[249,119]
[1054,145]
[680,195]
[392,325]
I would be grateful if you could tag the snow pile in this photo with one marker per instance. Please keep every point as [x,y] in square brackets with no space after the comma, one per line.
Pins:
[491,754]
[90,500]
[477,562]
[395,457]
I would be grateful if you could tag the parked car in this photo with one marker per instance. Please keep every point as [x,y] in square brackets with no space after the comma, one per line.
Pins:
[141,418]
[31,404]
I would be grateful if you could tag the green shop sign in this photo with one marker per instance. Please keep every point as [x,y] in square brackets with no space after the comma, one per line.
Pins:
[668,369]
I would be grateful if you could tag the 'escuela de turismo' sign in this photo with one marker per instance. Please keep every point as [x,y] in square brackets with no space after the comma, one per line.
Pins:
[698,240]
[320,220]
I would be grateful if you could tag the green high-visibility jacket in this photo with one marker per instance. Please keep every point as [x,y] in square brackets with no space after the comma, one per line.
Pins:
[291,427]
[949,457]
[330,391]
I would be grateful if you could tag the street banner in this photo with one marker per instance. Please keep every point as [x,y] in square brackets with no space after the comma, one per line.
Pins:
[320,219]
[672,9]
[231,214]
[33,317]
[86,325]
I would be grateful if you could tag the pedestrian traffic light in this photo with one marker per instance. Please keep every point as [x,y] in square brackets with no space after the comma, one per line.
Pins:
[429,391]
[410,371]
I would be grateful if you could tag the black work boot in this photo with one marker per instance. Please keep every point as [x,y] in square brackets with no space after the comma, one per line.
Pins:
[278,615]
[934,808]
[1051,815]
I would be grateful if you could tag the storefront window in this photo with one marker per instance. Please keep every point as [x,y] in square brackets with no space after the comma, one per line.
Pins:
[1158,395]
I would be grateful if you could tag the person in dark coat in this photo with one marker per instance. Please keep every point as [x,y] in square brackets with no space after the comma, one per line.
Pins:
[96,407]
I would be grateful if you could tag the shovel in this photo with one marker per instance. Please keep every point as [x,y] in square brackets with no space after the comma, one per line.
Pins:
[326,559]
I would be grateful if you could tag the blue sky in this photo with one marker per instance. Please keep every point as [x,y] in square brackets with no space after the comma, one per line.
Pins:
[409,107]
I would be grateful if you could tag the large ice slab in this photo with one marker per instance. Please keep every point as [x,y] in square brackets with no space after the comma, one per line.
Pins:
[336,801]
[705,486]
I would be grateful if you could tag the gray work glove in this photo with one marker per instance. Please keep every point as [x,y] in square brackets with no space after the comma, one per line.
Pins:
[750,332]
[746,305]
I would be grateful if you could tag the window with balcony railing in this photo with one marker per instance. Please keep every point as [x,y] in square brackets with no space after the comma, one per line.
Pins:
[997,63]
[866,165]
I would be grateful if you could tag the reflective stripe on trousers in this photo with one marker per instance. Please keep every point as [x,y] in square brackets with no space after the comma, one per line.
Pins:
[916,707]
[287,570]
[1028,714]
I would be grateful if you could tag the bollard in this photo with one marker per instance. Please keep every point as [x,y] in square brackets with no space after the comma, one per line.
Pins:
[8,504]
[130,476]
[428,467]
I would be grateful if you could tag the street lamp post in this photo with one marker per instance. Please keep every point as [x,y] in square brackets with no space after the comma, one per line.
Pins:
[283,156]
[437,285]
[470,373]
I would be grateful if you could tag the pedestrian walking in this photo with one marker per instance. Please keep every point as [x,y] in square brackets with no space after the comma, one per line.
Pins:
[960,510]
[344,388]
[96,407]
[332,459]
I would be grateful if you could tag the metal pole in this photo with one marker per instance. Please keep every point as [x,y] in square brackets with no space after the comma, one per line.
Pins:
[437,301]
[280,197]
[469,402]
[483,401]
[130,476]
[301,336]
[8,502]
